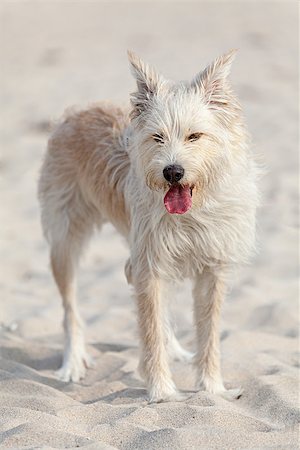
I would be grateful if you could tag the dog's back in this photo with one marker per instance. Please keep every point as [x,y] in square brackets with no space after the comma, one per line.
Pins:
[85,168]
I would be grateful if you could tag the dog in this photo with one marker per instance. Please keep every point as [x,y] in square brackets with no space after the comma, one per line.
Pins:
[175,176]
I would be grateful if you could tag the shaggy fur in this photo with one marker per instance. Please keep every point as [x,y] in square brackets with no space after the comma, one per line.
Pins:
[106,164]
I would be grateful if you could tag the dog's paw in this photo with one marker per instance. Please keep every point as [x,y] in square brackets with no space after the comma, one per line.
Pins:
[218,388]
[177,352]
[231,394]
[183,356]
[166,392]
[174,396]
[74,368]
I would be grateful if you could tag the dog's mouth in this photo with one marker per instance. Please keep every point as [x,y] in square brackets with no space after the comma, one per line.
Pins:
[178,199]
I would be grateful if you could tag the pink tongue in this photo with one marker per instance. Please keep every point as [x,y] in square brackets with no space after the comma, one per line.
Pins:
[178,199]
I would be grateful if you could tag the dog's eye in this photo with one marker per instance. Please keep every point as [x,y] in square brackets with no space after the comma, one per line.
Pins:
[158,138]
[194,137]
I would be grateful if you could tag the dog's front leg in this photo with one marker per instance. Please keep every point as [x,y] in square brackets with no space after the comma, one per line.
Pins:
[209,292]
[154,359]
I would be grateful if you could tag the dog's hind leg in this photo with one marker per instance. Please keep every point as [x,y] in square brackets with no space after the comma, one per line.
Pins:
[75,359]
[67,239]
[174,348]
[209,292]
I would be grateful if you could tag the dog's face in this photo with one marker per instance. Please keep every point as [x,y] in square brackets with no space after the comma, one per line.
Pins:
[184,131]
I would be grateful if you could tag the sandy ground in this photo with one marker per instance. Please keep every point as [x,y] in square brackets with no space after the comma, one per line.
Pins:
[58,54]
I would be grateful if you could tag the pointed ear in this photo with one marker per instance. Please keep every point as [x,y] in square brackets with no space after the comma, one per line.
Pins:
[212,81]
[148,82]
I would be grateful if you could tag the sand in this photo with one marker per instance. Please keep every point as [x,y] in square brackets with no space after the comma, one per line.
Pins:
[56,54]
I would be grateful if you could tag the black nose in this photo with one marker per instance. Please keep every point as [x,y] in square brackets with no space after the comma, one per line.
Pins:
[173,173]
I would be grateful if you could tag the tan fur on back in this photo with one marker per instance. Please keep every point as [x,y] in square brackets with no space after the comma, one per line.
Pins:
[86,153]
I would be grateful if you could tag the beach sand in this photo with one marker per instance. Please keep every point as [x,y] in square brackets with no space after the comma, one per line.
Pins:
[57,54]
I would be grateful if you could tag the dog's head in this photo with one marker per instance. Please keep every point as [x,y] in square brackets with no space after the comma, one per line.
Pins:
[186,133]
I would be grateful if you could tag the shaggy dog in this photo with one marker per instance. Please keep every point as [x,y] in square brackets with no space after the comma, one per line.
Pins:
[175,177]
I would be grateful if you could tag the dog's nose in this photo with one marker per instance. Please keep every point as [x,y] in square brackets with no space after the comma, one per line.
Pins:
[173,173]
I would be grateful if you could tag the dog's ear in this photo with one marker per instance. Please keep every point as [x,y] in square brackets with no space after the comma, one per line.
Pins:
[212,82]
[148,82]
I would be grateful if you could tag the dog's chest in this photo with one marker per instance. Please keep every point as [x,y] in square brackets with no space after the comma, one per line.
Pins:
[179,246]
[187,245]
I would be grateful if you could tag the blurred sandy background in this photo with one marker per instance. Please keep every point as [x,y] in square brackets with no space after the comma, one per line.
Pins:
[57,54]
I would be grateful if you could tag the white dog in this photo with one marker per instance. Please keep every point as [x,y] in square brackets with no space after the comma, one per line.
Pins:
[175,177]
